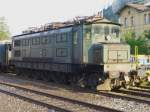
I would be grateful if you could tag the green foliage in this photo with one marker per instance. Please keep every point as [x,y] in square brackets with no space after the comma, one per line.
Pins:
[144,80]
[4,32]
[147,34]
[141,42]
[128,35]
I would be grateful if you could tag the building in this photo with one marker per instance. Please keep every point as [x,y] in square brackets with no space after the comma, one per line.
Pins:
[111,11]
[119,4]
[147,3]
[135,17]
[110,15]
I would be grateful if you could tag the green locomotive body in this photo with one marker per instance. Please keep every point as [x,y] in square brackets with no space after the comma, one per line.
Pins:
[86,52]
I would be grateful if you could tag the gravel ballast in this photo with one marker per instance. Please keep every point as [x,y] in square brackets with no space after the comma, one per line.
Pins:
[115,103]
[13,104]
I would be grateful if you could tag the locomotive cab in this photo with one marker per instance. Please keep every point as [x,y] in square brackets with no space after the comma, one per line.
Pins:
[102,31]
[102,46]
[106,32]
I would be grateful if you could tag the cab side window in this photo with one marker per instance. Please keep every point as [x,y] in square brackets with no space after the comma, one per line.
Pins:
[75,38]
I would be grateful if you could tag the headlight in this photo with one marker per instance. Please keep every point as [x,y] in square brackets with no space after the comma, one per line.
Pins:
[108,37]
[126,77]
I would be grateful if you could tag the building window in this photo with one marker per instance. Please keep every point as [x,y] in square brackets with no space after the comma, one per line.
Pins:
[145,19]
[17,43]
[126,22]
[149,18]
[17,53]
[61,52]
[132,21]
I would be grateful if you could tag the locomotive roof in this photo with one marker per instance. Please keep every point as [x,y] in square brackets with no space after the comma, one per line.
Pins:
[59,25]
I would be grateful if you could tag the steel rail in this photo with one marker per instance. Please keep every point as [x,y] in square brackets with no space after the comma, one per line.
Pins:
[35,101]
[140,90]
[135,93]
[88,105]
[144,87]
[124,96]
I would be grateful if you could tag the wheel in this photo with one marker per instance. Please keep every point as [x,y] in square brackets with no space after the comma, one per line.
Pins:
[126,86]
[115,84]
[45,76]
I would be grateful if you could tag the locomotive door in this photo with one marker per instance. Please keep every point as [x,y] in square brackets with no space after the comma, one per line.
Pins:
[112,56]
[76,46]
[122,55]
[118,56]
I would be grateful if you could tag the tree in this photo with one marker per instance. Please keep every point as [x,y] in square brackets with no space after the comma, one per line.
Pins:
[128,35]
[4,32]
[147,34]
[140,42]
[132,41]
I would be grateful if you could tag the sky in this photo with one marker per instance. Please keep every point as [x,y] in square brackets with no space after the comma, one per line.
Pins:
[21,14]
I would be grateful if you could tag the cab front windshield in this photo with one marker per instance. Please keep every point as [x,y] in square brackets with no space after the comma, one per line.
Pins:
[111,30]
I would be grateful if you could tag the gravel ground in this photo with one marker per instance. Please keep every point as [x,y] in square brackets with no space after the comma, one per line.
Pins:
[119,104]
[48,100]
[12,104]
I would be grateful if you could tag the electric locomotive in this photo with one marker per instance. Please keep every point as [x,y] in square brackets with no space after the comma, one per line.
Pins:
[85,52]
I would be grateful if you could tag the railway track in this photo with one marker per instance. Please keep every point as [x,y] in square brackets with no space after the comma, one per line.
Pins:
[89,96]
[48,100]
[135,93]
[140,89]
[51,107]
[144,87]
[114,94]
[127,95]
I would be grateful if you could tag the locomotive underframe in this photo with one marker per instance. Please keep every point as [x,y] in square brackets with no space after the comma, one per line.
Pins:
[84,75]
